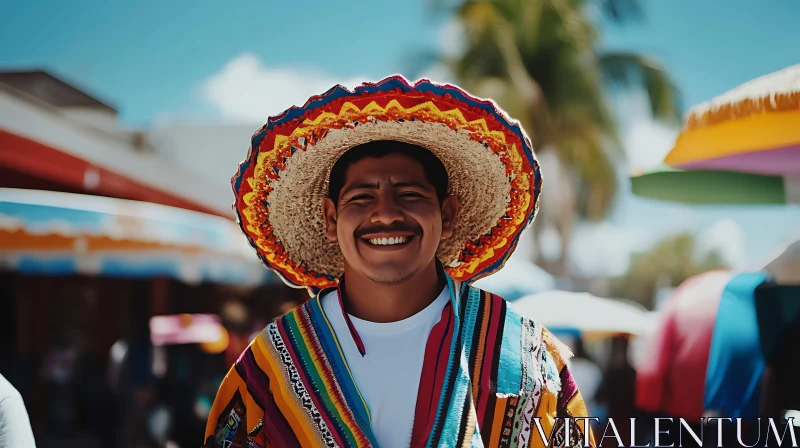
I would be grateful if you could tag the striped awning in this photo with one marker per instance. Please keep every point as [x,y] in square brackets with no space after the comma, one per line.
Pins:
[45,232]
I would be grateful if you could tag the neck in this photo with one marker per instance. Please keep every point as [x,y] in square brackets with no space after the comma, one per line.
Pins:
[375,302]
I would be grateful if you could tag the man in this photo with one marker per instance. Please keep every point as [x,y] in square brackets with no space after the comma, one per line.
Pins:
[385,203]
[15,427]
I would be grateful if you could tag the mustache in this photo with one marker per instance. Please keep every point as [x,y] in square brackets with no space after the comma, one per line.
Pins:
[399,227]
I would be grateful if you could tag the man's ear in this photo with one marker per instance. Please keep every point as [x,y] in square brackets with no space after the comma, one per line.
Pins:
[329,215]
[449,213]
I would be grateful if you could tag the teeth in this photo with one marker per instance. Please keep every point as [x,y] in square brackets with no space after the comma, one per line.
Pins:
[388,241]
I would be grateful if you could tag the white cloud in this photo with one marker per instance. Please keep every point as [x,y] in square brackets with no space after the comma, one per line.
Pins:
[451,38]
[727,238]
[245,90]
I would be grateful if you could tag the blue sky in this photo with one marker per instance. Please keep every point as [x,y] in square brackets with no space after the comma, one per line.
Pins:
[160,60]
[149,56]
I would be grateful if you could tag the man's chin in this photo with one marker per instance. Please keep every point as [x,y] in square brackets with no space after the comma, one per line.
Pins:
[390,277]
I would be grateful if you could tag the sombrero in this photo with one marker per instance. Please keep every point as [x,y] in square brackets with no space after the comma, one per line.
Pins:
[489,160]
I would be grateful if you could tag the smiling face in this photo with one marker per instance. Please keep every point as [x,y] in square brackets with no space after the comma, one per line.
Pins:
[388,219]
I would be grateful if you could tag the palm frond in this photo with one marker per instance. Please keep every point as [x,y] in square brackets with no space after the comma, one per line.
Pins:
[538,60]
[584,151]
[493,51]
[635,70]
[575,28]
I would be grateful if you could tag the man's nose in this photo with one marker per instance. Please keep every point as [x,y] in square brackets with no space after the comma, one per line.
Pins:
[387,210]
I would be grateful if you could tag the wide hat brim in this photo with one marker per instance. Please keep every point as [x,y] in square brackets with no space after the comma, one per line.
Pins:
[489,160]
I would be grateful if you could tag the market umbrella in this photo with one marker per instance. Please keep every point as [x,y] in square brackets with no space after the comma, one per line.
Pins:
[54,233]
[671,377]
[592,316]
[704,356]
[735,360]
[715,187]
[742,147]
[752,128]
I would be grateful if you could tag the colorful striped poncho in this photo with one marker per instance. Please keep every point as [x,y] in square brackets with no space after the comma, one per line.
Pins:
[489,376]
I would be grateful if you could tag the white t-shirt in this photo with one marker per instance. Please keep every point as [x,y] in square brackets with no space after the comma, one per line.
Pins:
[15,428]
[388,374]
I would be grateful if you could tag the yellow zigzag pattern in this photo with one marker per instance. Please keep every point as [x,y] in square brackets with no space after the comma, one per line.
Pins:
[349,109]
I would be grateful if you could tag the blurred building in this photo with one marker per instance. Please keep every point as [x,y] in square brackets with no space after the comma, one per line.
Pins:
[54,136]
[83,269]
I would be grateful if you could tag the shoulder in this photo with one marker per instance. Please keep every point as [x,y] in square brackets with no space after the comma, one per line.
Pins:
[557,350]
[528,342]
[12,407]
[7,390]
[514,318]
[552,349]
[560,352]
[295,317]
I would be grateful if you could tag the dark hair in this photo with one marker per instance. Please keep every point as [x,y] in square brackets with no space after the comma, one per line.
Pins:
[434,169]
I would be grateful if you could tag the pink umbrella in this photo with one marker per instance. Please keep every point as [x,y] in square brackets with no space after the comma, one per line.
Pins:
[671,378]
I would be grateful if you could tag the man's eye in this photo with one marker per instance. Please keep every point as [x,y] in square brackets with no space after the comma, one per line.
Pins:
[359,197]
[412,194]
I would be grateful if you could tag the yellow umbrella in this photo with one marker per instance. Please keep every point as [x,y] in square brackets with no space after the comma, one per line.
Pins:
[753,128]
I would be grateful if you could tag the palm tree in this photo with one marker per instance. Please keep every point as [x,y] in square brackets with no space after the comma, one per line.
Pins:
[539,60]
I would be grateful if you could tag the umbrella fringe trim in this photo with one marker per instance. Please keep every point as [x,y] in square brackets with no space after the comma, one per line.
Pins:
[710,114]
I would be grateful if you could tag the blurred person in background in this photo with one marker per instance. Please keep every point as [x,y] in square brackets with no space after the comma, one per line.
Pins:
[238,322]
[617,391]
[15,426]
[384,202]
[66,386]
[74,379]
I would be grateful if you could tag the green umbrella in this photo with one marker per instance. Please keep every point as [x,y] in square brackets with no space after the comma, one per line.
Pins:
[714,187]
